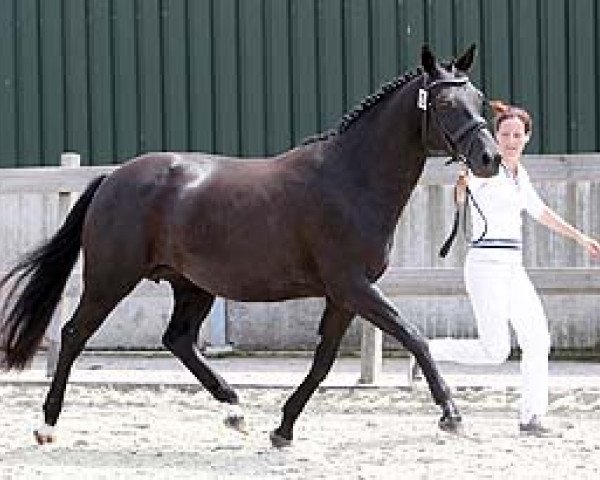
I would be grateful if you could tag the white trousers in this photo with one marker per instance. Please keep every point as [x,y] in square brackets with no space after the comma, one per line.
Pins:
[500,292]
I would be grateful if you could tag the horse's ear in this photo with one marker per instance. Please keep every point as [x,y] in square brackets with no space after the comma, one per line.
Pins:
[465,62]
[428,59]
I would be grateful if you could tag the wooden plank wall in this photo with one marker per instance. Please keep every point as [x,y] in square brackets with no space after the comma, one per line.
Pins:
[28,216]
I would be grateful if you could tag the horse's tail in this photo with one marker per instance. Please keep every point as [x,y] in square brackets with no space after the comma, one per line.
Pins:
[37,283]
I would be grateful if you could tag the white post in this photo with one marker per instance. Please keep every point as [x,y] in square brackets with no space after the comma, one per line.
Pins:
[65,202]
[218,344]
[371,356]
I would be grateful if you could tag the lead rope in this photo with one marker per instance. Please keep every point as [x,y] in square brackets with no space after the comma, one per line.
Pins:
[452,236]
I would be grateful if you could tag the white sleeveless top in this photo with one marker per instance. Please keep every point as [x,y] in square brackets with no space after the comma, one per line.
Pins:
[501,199]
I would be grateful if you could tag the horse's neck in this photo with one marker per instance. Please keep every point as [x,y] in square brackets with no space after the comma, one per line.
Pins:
[382,155]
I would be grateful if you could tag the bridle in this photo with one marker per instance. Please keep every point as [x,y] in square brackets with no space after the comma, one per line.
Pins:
[451,140]
[431,116]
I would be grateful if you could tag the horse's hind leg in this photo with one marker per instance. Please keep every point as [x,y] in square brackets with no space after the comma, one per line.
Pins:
[93,308]
[334,323]
[192,305]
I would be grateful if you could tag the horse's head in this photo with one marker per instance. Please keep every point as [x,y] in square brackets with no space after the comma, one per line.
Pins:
[452,114]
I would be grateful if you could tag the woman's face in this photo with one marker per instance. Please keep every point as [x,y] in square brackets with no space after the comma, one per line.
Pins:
[511,138]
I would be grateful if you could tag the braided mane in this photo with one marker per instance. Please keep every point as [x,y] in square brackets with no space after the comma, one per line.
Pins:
[365,105]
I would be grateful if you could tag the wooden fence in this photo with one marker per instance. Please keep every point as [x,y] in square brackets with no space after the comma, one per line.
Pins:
[570,183]
[412,282]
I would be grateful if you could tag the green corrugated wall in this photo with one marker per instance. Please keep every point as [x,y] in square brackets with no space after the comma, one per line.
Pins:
[114,78]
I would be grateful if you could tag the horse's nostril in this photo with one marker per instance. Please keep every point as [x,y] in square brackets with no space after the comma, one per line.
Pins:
[497,158]
[486,158]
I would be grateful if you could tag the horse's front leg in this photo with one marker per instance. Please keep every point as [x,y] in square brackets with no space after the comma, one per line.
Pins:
[368,301]
[334,324]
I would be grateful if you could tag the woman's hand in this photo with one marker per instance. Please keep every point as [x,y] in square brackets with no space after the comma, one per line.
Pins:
[460,189]
[591,245]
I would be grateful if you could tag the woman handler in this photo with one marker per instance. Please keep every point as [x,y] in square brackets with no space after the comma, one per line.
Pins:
[497,284]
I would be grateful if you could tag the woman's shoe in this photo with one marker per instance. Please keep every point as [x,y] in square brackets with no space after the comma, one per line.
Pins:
[534,428]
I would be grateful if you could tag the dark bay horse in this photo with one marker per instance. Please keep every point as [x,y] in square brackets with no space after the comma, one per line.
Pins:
[316,221]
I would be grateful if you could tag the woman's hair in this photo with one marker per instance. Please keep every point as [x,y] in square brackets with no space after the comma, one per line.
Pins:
[503,111]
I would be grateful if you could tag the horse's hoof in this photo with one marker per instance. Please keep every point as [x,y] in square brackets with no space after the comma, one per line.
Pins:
[42,438]
[237,423]
[451,423]
[451,420]
[278,441]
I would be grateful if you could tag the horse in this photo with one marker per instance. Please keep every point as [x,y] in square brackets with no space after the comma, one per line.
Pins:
[315,221]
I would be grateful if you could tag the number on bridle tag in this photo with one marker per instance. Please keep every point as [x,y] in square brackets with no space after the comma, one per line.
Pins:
[422,100]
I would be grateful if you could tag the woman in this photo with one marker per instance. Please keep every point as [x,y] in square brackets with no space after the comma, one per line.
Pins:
[497,284]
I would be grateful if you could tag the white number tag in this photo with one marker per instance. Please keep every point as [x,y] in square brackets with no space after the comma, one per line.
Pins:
[422,100]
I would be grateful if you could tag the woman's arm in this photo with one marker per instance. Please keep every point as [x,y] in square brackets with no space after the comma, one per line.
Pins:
[549,218]
[554,222]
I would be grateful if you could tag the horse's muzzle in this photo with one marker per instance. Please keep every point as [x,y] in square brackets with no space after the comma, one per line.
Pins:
[493,160]
[490,163]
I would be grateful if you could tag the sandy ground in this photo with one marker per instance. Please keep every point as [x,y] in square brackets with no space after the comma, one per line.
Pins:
[177,432]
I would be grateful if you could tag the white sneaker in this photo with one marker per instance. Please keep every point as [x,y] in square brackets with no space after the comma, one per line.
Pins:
[534,428]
